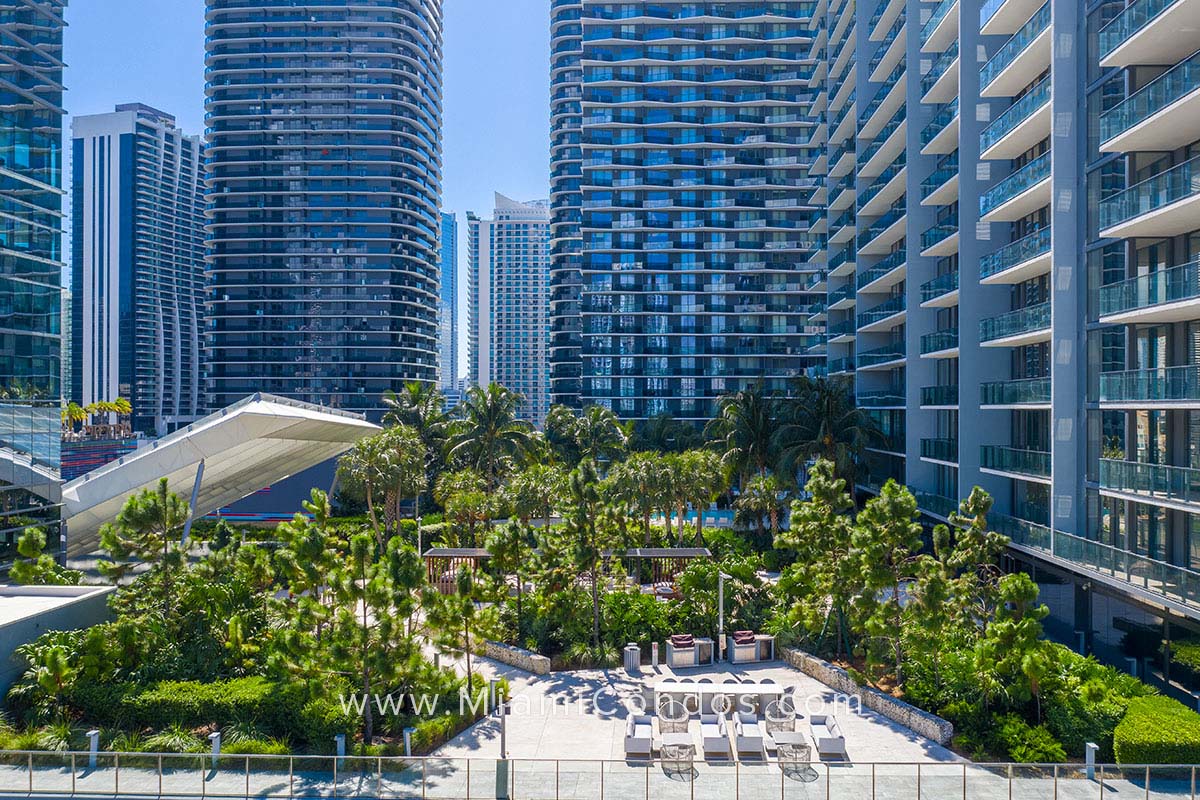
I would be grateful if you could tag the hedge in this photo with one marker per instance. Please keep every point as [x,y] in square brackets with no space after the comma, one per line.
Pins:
[1157,730]
[280,710]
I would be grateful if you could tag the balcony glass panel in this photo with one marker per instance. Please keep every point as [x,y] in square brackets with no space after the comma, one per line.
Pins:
[882,311]
[940,120]
[947,168]
[881,355]
[1015,392]
[936,504]
[940,232]
[943,284]
[1015,46]
[841,365]
[939,68]
[1182,79]
[1151,385]
[1177,183]
[939,13]
[1014,323]
[938,341]
[841,293]
[1026,177]
[894,260]
[1010,459]
[885,177]
[1024,249]
[886,131]
[880,225]
[1179,484]
[884,397]
[1015,114]
[1162,286]
[1132,19]
[939,395]
[940,449]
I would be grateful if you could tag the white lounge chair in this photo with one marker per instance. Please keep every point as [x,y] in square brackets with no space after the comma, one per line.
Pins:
[828,735]
[714,735]
[749,734]
[639,735]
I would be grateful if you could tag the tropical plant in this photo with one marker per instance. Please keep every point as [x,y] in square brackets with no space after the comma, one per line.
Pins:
[148,528]
[36,567]
[599,435]
[745,427]
[664,434]
[640,481]
[820,420]
[489,437]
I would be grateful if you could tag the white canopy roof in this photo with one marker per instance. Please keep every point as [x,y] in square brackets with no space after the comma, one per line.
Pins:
[249,445]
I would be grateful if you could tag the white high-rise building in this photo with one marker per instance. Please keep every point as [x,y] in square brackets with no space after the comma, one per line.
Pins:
[510,301]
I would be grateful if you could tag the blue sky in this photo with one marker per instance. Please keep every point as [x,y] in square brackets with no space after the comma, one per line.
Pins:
[496,130]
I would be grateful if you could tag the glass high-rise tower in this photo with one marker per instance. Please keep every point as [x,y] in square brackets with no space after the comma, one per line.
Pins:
[31,223]
[448,304]
[324,188]
[685,244]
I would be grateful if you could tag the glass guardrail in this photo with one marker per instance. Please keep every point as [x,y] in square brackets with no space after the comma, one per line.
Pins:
[1170,285]
[1025,178]
[1170,186]
[1150,385]
[1016,45]
[1014,115]
[1022,391]
[1011,459]
[1132,19]
[943,284]
[938,341]
[1010,255]
[1180,80]
[1014,323]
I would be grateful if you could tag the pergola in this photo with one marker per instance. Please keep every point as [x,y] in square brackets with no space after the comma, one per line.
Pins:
[442,564]
[667,562]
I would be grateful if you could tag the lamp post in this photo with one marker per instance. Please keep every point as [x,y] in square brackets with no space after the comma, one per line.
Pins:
[721,576]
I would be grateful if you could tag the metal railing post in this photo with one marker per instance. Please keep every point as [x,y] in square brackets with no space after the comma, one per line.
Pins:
[469,779]
[379,778]
[291,777]
[247,777]
[1101,782]
[964,781]
[117,775]
[29,757]
[1056,782]
[647,781]
[73,775]
[1193,783]
[1010,779]
[918,780]
[601,782]
[1147,782]
[556,763]
[872,782]
[737,780]
[424,775]
[160,775]
[203,782]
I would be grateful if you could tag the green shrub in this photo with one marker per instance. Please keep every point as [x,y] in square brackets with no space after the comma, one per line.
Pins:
[436,731]
[1026,744]
[1157,730]
[256,747]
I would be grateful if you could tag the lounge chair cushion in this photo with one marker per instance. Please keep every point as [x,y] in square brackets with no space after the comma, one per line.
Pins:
[743,637]
[682,640]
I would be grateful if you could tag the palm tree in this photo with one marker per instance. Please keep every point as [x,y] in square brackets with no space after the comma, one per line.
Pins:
[745,426]
[704,480]
[489,437]
[640,481]
[820,420]
[421,407]
[665,434]
[599,435]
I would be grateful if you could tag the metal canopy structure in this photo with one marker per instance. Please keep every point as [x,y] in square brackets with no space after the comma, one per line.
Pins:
[214,461]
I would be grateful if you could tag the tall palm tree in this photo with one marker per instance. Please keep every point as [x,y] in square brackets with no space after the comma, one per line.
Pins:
[422,407]
[820,420]
[599,435]
[489,437]
[745,426]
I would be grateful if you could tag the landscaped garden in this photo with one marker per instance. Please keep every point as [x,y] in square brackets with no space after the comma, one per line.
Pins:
[262,632]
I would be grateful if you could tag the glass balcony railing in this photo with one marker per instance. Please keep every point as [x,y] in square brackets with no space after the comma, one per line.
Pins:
[1171,285]
[894,215]
[884,134]
[842,293]
[886,309]
[1159,577]
[1023,179]
[988,10]
[1015,114]
[935,19]
[947,168]
[947,114]
[1015,46]
[1182,79]
[843,328]
[1160,481]
[1132,19]
[938,341]
[939,395]
[1014,323]
[939,68]
[884,178]
[1011,459]
[1176,183]
[940,232]
[881,398]
[943,284]
[936,504]
[940,449]
[1010,255]
[881,355]
[841,365]
[1024,391]
[894,260]
[1166,384]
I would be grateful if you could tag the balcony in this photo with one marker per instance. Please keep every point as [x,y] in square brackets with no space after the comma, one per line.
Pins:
[842,332]
[941,187]
[885,398]
[936,505]
[1166,205]
[1033,465]
[940,84]
[941,239]
[841,263]
[1017,328]
[944,451]
[883,191]
[1018,261]
[1020,393]
[885,20]
[886,148]
[841,366]
[1156,484]
[842,298]
[941,292]
[1005,17]
[884,232]
[939,396]
[884,274]
[940,344]
[1018,195]
[1166,295]
[942,27]
[1022,58]
[881,357]
[1020,126]
[1162,115]
[890,52]
[1162,388]
[940,136]
[885,316]
[1150,32]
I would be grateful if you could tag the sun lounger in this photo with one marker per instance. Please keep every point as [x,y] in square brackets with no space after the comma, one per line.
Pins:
[828,735]
[749,734]
[714,735]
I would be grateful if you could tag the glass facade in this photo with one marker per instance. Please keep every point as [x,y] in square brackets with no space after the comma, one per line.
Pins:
[31,222]
[686,217]
[137,318]
[324,189]
[448,305]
